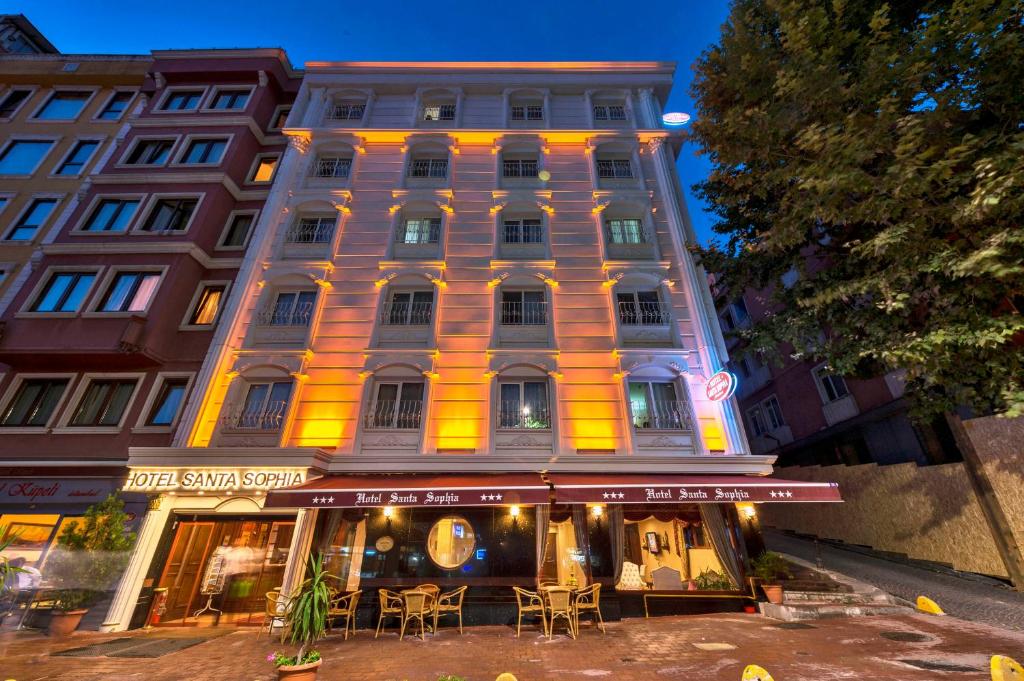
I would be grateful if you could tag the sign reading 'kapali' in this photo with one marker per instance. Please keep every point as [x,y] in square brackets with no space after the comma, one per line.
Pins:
[212,479]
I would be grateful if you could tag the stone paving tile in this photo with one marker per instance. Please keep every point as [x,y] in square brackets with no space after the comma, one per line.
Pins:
[968,599]
[632,650]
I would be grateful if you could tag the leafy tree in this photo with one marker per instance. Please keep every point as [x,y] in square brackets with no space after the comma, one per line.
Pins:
[90,555]
[878,150]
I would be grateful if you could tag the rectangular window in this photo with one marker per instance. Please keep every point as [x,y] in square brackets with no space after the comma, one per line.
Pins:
[311,230]
[230,100]
[832,385]
[64,292]
[264,170]
[34,403]
[265,406]
[655,405]
[332,166]
[772,413]
[111,215]
[170,215]
[420,231]
[63,106]
[182,100]
[626,231]
[398,405]
[524,308]
[429,167]
[441,112]
[75,162]
[519,167]
[527,112]
[524,405]
[348,112]
[150,152]
[31,220]
[205,151]
[756,419]
[12,101]
[609,112]
[168,402]
[525,231]
[617,168]
[408,308]
[280,118]
[22,157]
[116,106]
[208,305]
[103,403]
[130,292]
[293,308]
[237,233]
[641,308]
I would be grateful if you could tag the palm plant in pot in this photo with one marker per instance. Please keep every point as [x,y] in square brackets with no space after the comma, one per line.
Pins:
[8,575]
[88,559]
[769,567]
[307,620]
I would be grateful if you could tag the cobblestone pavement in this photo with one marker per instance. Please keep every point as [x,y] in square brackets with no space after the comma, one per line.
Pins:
[699,647]
[979,601]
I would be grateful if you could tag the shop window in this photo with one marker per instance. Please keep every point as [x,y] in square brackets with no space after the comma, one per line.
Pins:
[397,404]
[656,406]
[104,403]
[265,406]
[523,405]
[168,402]
[22,157]
[564,562]
[34,403]
[30,534]
[669,551]
[130,292]
[451,542]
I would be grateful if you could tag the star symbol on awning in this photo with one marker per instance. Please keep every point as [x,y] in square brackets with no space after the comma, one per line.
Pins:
[331,500]
[772,493]
[483,497]
[789,495]
[498,496]
[316,500]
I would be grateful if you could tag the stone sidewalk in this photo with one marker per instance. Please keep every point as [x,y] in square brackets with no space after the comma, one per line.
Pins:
[705,647]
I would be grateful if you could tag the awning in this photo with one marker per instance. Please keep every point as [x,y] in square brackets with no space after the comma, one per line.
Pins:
[358,491]
[573,488]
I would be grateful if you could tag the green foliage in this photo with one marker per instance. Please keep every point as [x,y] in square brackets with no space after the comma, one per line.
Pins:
[308,616]
[877,150]
[450,677]
[90,555]
[710,580]
[769,567]
[281,660]
[7,571]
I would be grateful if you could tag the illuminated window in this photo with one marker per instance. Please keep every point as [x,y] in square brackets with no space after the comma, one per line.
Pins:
[208,151]
[64,292]
[170,215]
[182,100]
[451,542]
[103,403]
[420,231]
[130,292]
[31,220]
[116,106]
[22,157]
[264,169]
[12,101]
[63,106]
[523,405]
[396,404]
[626,231]
[75,162]
[280,117]
[34,403]
[207,305]
[237,233]
[150,152]
[230,100]
[439,112]
[168,402]
[111,215]
[655,405]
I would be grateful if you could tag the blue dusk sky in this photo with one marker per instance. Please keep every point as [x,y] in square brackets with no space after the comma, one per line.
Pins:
[452,30]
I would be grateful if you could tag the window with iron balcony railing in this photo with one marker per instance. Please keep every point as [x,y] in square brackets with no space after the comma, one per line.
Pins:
[523,308]
[264,407]
[346,112]
[519,168]
[615,169]
[291,309]
[641,308]
[311,231]
[413,308]
[655,406]
[429,167]
[523,406]
[525,231]
[332,166]
[396,405]
[439,112]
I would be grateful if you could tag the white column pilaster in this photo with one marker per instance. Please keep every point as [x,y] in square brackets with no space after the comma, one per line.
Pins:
[119,615]
[302,541]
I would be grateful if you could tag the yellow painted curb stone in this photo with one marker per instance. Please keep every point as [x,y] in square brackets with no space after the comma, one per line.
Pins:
[755,673]
[1006,669]
[925,604]
[506,677]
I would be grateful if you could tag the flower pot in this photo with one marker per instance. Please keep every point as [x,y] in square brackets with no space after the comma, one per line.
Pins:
[63,622]
[773,592]
[298,672]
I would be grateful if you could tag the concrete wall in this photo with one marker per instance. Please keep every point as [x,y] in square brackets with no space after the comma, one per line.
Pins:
[1000,445]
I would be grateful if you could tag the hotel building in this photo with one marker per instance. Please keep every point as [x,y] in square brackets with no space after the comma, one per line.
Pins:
[469,346]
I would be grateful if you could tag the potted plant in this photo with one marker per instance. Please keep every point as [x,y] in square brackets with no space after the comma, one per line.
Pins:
[8,575]
[307,620]
[768,568]
[710,580]
[89,557]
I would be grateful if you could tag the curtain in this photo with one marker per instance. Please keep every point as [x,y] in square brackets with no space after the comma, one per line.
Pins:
[617,535]
[331,524]
[632,548]
[356,566]
[543,515]
[718,534]
[580,529]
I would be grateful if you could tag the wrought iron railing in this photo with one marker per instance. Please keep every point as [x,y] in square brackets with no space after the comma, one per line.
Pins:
[406,314]
[399,414]
[514,415]
[310,232]
[524,314]
[269,416]
[295,316]
[643,314]
[346,112]
[429,167]
[662,415]
[332,167]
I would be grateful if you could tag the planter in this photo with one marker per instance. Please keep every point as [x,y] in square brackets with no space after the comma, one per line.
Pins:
[298,672]
[62,623]
[774,593]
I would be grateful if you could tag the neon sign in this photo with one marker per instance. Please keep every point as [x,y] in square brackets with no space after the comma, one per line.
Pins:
[721,386]
[212,479]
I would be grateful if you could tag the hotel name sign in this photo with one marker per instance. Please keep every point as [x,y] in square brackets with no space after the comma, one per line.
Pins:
[212,479]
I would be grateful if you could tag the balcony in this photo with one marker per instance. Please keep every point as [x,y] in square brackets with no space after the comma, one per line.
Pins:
[346,115]
[421,243]
[839,410]
[644,324]
[392,426]
[330,172]
[523,323]
[404,323]
[523,428]
[640,248]
[309,240]
[664,427]
[241,427]
[284,327]
[522,241]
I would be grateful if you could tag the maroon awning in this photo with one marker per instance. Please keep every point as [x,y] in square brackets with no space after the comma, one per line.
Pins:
[359,491]
[572,488]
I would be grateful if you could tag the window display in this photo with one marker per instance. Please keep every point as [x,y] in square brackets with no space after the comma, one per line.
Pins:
[451,542]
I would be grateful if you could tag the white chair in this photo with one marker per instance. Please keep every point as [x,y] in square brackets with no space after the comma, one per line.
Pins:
[630,579]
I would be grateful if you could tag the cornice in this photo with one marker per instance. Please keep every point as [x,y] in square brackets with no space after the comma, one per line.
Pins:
[237,193]
[172,248]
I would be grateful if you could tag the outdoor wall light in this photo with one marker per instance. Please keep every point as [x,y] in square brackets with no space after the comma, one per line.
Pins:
[597,511]
[748,511]
[514,511]
[389,512]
